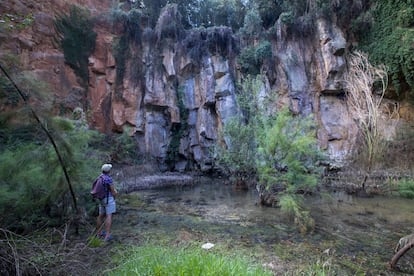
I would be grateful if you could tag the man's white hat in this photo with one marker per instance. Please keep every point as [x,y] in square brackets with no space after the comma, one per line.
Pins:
[106,167]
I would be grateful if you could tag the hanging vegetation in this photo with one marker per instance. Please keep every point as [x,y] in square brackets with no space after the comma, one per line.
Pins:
[77,39]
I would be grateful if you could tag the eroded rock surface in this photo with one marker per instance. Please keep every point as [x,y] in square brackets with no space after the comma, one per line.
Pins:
[173,81]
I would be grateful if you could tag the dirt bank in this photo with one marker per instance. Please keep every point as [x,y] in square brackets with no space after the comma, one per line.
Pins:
[144,177]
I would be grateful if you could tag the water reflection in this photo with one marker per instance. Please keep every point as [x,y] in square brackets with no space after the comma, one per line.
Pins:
[364,229]
[219,201]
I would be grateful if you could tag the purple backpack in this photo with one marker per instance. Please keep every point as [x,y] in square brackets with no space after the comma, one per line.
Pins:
[99,189]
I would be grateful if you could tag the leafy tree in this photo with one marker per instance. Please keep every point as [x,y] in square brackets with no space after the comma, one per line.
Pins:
[252,27]
[38,193]
[38,153]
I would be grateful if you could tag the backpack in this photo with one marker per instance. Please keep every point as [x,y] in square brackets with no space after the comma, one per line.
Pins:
[99,189]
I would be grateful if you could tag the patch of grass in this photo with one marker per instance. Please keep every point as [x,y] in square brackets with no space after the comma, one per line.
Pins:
[156,260]
[94,241]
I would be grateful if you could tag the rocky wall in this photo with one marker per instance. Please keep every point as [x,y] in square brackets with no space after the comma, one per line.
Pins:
[306,75]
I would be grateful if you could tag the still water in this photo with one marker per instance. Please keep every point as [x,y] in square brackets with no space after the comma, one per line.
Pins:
[360,231]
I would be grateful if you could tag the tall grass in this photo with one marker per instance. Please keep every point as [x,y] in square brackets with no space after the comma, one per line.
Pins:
[156,260]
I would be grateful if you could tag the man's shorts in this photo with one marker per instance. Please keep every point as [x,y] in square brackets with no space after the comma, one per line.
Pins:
[107,208]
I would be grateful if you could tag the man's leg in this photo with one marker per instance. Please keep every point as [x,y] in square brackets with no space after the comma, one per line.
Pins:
[108,224]
[99,222]
[110,209]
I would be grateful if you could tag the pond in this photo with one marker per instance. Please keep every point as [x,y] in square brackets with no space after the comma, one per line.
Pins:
[353,235]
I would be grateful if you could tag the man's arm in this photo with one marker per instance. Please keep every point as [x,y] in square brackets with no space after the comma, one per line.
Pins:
[113,190]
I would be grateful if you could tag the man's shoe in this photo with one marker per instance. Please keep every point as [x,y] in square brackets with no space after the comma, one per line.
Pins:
[101,235]
[109,238]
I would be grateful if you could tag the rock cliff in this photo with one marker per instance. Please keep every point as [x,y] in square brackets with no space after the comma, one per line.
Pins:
[183,81]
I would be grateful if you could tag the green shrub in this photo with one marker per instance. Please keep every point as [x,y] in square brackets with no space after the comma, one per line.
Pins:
[406,188]
[155,260]
[252,58]
[289,154]
[362,24]
[248,62]
[237,156]
[263,51]
[288,163]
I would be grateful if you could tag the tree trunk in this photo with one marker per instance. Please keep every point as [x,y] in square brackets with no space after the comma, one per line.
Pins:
[400,253]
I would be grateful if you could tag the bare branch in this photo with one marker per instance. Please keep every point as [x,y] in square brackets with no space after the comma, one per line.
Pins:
[364,101]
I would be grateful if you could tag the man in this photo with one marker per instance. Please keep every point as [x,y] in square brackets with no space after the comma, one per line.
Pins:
[107,205]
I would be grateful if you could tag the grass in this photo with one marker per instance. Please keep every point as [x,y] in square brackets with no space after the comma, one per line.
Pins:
[192,260]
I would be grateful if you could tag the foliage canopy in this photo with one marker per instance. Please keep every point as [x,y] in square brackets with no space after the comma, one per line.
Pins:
[390,40]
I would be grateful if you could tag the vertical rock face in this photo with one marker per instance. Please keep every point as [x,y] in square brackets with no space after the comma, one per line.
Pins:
[188,85]
[308,73]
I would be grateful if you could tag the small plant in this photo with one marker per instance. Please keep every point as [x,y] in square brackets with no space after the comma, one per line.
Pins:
[178,130]
[94,241]
[292,206]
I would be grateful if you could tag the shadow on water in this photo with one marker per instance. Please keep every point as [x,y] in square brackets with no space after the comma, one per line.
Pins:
[359,233]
